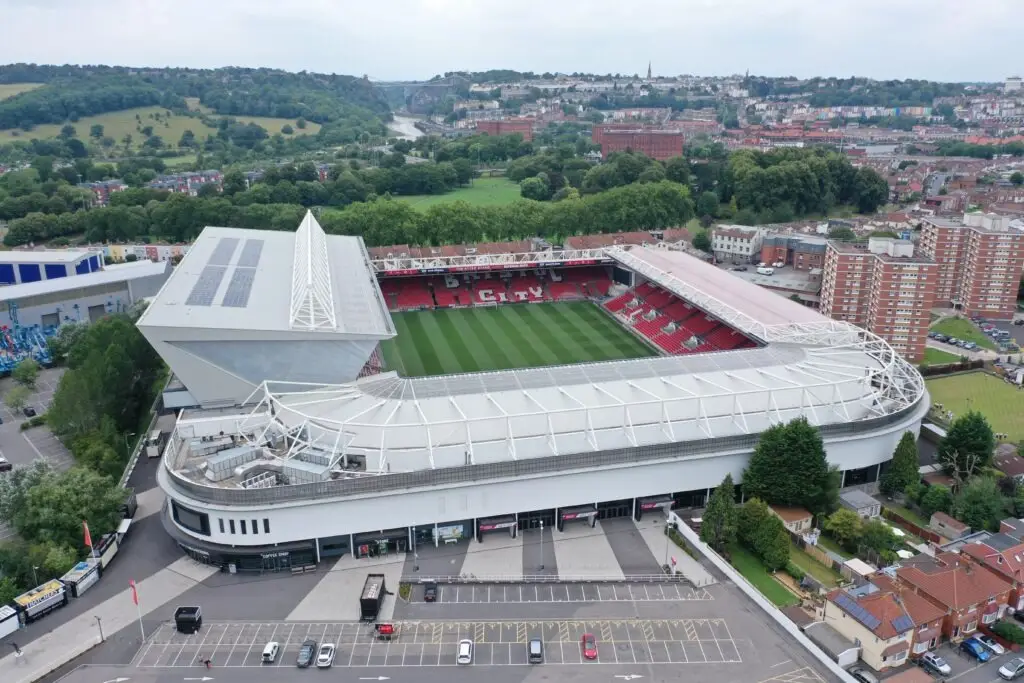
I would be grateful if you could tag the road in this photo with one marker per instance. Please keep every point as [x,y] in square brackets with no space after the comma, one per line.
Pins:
[934,184]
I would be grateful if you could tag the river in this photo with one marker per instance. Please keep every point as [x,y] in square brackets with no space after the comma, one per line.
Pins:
[405,127]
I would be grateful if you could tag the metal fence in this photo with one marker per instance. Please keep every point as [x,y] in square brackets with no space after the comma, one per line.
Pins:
[507,469]
[555,578]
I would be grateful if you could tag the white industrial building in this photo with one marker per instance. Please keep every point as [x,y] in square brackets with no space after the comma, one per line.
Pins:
[50,288]
[318,463]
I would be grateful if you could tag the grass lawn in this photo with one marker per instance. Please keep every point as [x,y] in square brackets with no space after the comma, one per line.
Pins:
[483,192]
[939,357]
[12,89]
[747,564]
[811,566]
[117,124]
[456,340]
[829,544]
[998,401]
[908,514]
[963,329]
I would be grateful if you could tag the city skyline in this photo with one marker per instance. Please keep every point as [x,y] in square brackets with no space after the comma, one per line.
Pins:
[416,39]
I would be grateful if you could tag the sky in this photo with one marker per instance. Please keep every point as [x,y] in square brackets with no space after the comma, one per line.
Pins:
[944,40]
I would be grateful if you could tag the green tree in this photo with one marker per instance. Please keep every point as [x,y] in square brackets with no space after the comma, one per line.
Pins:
[300,123]
[702,241]
[967,446]
[707,204]
[287,129]
[936,498]
[26,372]
[846,526]
[57,505]
[979,504]
[1017,178]
[187,139]
[789,467]
[96,131]
[878,536]
[68,131]
[841,233]
[677,169]
[234,183]
[774,544]
[16,398]
[903,470]
[8,590]
[750,518]
[718,528]
[535,188]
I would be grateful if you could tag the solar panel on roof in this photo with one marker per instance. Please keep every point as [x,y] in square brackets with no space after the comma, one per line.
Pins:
[902,623]
[250,257]
[206,286]
[239,288]
[222,253]
[850,606]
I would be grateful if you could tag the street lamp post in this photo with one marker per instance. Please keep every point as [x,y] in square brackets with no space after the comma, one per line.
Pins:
[35,576]
[127,448]
[99,624]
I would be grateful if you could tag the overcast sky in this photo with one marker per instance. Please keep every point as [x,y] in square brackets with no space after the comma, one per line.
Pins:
[948,40]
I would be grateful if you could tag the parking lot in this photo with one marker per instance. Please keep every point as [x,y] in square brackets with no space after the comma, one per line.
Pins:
[426,643]
[565,592]
[39,399]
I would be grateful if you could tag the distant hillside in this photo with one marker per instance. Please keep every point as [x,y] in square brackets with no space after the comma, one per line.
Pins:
[69,93]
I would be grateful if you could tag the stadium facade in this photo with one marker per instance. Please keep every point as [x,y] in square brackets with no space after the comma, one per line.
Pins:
[303,459]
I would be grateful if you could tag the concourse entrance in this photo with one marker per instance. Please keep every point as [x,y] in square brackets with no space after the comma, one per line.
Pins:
[486,525]
[615,508]
[533,520]
[580,513]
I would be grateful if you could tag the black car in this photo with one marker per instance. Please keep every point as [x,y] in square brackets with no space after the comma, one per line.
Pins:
[430,592]
[307,653]
[5,464]
[29,411]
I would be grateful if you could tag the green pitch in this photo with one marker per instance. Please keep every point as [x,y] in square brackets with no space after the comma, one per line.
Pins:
[457,340]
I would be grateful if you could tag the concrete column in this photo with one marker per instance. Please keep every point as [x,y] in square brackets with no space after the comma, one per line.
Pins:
[634,509]
[707,497]
[842,481]
[352,546]
[316,544]
[435,534]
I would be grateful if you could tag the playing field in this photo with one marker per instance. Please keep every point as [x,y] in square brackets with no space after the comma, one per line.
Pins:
[482,192]
[1001,403]
[456,340]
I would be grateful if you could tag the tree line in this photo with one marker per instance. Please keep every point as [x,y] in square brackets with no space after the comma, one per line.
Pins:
[383,221]
[70,99]
[951,148]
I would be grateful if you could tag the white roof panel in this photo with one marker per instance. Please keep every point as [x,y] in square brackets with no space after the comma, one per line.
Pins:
[122,273]
[262,278]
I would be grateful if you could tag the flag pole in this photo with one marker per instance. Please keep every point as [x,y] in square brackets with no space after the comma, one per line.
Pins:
[138,608]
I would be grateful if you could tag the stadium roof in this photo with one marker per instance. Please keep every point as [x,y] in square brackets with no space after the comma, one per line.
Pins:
[260,280]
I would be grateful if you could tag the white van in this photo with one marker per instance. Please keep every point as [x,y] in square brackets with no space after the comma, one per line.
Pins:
[765,270]
[270,652]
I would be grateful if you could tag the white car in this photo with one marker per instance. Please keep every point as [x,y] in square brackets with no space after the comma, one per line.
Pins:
[932,661]
[990,644]
[1012,669]
[325,657]
[465,655]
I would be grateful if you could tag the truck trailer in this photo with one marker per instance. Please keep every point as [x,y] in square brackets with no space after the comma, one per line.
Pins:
[372,597]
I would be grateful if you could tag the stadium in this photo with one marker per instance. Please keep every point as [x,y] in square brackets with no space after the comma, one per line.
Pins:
[350,400]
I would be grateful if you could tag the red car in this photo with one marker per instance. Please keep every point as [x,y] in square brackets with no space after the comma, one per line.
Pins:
[589,645]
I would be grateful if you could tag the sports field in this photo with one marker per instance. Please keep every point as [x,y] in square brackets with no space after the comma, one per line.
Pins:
[482,192]
[457,340]
[1001,403]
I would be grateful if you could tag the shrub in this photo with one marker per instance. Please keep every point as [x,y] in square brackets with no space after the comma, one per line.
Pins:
[1009,631]
[37,421]
[796,572]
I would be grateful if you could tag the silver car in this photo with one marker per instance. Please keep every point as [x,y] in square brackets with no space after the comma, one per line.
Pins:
[933,662]
[1012,669]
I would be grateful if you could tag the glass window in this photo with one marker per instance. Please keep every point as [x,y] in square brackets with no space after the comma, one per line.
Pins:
[231,524]
[241,523]
[266,525]
[255,527]
[220,523]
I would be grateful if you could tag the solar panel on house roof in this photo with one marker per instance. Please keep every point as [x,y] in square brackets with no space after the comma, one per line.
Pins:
[850,606]
[239,288]
[222,253]
[250,257]
[206,286]
[902,623]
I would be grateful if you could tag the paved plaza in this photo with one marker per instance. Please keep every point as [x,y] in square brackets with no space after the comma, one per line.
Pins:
[497,643]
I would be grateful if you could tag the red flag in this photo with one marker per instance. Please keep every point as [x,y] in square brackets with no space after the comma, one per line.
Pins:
[88,536]
[135,593]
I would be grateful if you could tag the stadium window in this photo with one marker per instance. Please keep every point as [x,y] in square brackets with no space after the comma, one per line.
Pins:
[241,523]
[220,523]
[231,525]
[255,527]
[266,525]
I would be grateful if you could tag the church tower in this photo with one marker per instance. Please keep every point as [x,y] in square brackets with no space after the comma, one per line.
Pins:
[648,71]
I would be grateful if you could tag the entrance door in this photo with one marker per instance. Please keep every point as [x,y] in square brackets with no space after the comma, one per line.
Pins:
[277,562]
[619,508]
[532,520]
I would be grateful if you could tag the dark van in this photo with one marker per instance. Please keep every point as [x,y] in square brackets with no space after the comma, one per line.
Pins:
[536,651]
